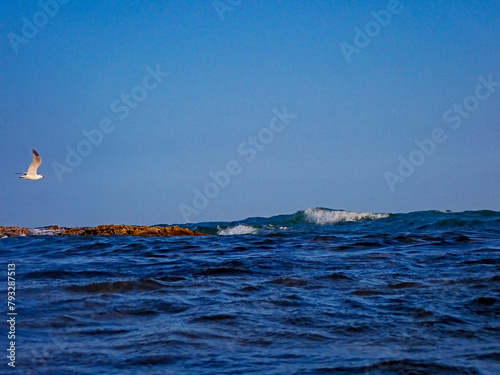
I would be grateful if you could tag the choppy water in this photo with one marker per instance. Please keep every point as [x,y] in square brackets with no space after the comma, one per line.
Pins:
[316,292]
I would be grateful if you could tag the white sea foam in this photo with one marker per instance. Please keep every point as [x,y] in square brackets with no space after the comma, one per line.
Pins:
[46,232]
[321,216]
[237,230]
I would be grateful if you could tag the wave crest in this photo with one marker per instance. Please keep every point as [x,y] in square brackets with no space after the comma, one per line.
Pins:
[237,230]
[323,216]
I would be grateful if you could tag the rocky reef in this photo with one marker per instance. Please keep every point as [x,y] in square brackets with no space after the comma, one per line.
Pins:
[14,232]
[101,230]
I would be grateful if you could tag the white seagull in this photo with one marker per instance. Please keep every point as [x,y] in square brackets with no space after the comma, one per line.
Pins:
[31,174]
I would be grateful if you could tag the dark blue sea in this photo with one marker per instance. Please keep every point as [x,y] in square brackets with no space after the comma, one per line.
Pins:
[315,292]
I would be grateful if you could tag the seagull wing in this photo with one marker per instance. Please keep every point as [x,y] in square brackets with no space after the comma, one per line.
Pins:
[37,160]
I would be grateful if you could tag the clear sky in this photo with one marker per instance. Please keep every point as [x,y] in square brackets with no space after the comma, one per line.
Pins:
[137,106]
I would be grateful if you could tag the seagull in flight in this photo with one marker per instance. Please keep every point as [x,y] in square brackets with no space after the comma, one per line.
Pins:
[31,174]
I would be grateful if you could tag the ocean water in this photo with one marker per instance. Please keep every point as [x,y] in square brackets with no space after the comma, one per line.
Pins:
[316,292]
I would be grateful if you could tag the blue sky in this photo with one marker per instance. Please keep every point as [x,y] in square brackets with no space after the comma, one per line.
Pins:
[219,78]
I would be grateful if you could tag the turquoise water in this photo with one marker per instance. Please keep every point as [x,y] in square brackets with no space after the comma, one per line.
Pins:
[314,292]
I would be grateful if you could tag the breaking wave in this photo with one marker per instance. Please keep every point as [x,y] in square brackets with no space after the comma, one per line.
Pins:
[322,216]
[283,223]
[237,230]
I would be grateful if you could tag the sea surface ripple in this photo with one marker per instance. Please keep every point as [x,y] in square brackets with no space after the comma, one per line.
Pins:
[316,292]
